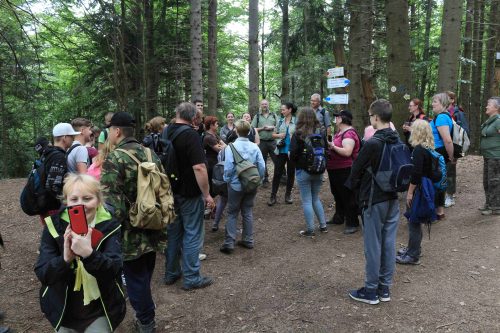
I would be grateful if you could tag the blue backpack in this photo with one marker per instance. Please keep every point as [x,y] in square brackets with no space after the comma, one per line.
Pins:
[315,152]
[438,174]
[422,209]
[395,167]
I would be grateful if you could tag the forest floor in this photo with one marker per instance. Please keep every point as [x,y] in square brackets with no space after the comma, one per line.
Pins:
[293,284]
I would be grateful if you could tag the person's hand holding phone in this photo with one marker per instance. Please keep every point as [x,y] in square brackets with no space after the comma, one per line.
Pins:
[82,245]
[68,254]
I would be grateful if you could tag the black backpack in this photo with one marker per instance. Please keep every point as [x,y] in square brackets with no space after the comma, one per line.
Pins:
[168,156]
[153,141]
[35,199]
[315,151]
[219,185]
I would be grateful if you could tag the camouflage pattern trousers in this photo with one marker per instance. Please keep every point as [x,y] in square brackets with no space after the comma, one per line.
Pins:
[491,182]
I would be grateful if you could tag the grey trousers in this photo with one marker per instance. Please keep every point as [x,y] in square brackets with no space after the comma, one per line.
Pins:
[239,201]
[380,226]
[100,325]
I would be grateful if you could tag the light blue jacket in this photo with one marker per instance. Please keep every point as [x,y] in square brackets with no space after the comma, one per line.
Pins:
[249,151]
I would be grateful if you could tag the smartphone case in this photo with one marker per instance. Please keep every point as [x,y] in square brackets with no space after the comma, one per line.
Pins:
[77,219]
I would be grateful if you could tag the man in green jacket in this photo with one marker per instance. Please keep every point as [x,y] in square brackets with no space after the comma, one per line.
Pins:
[119,181]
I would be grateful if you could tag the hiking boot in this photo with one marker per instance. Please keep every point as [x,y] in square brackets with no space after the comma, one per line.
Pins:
[288,198]
[205,282]
[226,249]
[323,230]
[272,200]
[171,281]
[365,295]
[145,328]
[449,201]
[350,230]
[383,293]
[336,219]
[265,183]
[215,227]
[405,259]
[402,251]
[245,244]
[307,233]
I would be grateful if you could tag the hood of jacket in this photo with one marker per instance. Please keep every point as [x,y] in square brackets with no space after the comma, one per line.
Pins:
[387,135]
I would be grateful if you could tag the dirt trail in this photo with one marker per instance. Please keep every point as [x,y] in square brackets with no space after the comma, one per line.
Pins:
[293,284]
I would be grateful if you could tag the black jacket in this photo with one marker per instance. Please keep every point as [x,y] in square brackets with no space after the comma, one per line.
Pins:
[58,278]
[55,169]
[370,155]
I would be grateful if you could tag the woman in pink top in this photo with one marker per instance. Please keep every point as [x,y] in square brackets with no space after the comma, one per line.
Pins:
[95,169]
[343,150]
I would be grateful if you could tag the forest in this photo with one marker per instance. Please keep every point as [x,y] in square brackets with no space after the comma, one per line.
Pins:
[61,59]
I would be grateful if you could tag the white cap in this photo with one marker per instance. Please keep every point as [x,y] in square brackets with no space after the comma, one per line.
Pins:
[62,129]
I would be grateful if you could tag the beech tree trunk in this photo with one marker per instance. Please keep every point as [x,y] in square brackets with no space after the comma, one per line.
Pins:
[285,84]
[212,57]
[450,45]
[399,71]
[253,57]
[196,64]
[477,56]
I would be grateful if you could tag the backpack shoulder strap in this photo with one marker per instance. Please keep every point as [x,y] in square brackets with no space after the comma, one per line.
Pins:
[236,154]
[71,148]
[178,131]
[130,155]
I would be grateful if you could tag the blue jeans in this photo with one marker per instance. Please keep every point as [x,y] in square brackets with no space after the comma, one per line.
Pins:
[138,273]
[414,240]
[309,187]
[238,200]
[380,226]
[184,241]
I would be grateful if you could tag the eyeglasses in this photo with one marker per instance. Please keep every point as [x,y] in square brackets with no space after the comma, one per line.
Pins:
[371,114]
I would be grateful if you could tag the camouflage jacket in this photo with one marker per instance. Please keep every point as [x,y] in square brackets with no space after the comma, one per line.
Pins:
[119,182]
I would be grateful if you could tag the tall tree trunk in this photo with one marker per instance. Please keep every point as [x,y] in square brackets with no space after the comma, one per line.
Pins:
[196,64]
[5,127]
[465,85]
[150,65]
[450,45]
[338,32]
[425,55]
[262,50]
[491,49]
[253,56]
[399,72]
[366,57]
[285,85]
[212,57]
[477,70]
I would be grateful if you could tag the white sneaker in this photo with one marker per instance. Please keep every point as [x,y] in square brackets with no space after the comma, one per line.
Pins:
[449,201]
[202,256]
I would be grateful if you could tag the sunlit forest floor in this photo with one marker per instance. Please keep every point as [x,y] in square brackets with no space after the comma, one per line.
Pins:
[294,284]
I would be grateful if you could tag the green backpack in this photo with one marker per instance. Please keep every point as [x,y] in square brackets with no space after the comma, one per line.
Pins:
[248,173]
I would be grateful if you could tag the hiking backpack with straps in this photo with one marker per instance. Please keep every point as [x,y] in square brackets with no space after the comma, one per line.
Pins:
[219,185]
[168,156]
[461,142]
[154,142]
[315,152]
[35,199]
[395,167]
[154,204]
[247,172]
[438,174]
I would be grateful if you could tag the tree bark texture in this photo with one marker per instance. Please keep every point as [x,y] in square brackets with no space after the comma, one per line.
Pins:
[399,71]
[338,32]
[492,46]
[285,28]
[253,57]
[450,45]
[150,64]
[425,54]
[196,60]
[465,84]
[212,57]
[477,70]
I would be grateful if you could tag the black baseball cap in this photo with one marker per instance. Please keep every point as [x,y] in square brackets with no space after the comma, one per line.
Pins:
[40,144]
[122,119]
[343,113]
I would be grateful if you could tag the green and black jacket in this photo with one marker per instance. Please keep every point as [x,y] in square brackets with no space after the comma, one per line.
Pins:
[58,278]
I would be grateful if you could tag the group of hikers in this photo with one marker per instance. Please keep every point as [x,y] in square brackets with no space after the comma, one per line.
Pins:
[195,170]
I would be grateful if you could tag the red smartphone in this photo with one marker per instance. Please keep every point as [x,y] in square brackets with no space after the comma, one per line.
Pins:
[78,220]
